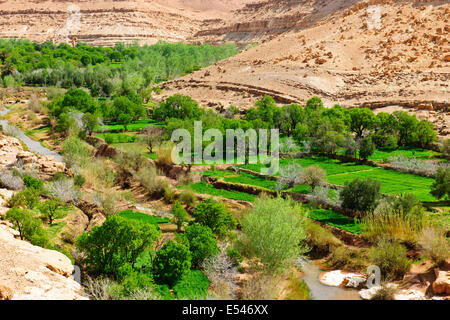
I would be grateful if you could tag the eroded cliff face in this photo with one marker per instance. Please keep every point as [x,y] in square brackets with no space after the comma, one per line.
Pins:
[107,22]
[28,272]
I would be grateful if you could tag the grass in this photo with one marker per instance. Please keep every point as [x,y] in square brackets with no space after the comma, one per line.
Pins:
[380,154]
[335,219]
[204,188]
[391,182]
[134,126]
[117,137]
[297,289]
[55,229]
[193,286]
[142,217]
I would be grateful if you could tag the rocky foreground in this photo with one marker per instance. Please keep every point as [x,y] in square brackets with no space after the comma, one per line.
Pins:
[33,273]
[27,271]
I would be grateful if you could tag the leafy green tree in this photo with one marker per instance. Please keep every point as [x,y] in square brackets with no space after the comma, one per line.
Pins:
[116,242]
[426,134]
[29,228]
[179,215]
[201,243]
[124,119]
[172,262]
[90,123]
[407,128]
[50,209]
[79,100]
[274,232]
[366,148]
[441,185]
[361,119]
[132,108]
[178,106]
[361,195]
[213,215]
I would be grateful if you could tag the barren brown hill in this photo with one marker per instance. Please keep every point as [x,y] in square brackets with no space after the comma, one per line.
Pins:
[107,21]
[379,54]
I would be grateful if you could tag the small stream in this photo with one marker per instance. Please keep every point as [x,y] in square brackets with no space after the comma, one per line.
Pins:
[320,291]
[33,146]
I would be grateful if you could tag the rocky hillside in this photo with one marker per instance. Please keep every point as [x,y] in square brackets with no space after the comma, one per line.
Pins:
[107,22]
[33,273]
[378,54]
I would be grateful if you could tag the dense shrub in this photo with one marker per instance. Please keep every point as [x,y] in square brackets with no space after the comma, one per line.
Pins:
[172,262]
[75,151]
[361,195]
[31,182]
[274,232]
[179,215]
[200,241]
[435,244]
[213,215]
[116,242]
[391,258]
[441,185]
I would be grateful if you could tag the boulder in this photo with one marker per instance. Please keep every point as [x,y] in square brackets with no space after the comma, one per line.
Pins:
[6,293]
[338,278]
[442,283]
[32,272]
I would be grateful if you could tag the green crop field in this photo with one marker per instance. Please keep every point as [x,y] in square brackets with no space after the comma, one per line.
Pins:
[134,126]
[204,188]
[335,219]
[331,166]
[391,182]
[245,178]
[138,216]
[380,155]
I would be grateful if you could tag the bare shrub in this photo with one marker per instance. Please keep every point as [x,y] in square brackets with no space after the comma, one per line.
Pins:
[148,178]
[10,181]
[288,145]
[99,289]
[188,197]
[108,201]
[415,166]
[435,244]
[143,294]
[164,153]
[385,292]
[261,287]
[324,195]
[11,130]
[221,272]
[314,176]
[65,190]
[290,174]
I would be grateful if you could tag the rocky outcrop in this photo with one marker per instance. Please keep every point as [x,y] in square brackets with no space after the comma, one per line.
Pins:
[399,294]
[442,283]
[338,278]
[11,152]
[34,273]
